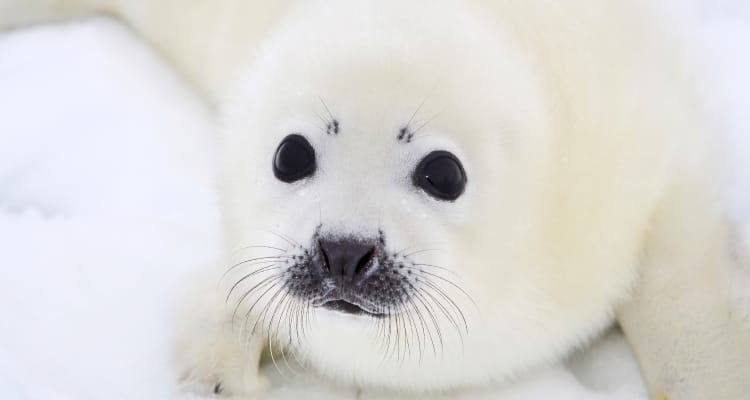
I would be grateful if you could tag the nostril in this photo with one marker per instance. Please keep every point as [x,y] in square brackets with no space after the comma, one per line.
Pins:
[326,260]
[364,261]
[346,258]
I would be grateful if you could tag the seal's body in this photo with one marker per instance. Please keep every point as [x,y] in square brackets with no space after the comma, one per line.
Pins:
[427,195]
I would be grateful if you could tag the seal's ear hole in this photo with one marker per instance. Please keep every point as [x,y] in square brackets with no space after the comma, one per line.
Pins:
[294,159]
[441,175]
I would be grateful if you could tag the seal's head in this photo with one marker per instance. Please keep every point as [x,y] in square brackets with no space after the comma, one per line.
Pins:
[387,189]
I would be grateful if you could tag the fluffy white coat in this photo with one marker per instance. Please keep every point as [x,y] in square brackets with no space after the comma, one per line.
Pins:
[592,181]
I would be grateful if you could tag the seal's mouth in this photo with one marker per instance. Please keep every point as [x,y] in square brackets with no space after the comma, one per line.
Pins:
[346,307]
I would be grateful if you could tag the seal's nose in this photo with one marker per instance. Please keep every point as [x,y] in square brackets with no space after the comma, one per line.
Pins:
[347,258]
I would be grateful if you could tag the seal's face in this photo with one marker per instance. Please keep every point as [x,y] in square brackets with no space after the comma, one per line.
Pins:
[385,197]
[356,272]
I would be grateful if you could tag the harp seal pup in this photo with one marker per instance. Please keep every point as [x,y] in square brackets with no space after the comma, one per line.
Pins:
[421,196]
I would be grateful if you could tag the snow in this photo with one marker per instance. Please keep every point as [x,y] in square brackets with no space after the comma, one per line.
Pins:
[107,207]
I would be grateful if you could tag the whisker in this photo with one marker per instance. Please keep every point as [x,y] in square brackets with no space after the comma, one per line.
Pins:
[264,313]
[436,267]
[295,328]
[419,107]
[426,332]
[444,310]
[387,324]
[437,114]
[432,315]
[297,320]
[421,318]
[446,297]
[325,123]
[267,268]
[258,247]
[289,240]
[252,261]
[284,306]
[306,318]
[274,283]
[398,335]
[379,328]
[407,248]
[428,281]
[259,285]
[296,312]
[330,114]
[448,281]
[419,251]
[270,334]
[415,331]
[407,336]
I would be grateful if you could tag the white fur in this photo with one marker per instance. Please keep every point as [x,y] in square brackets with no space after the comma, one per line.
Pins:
[589,159]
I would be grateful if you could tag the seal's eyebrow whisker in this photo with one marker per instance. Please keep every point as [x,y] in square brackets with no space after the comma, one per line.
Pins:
[419,128]
[328,110]
[330,125]
[407,134]
[333,120]
[419,107]
[323,127]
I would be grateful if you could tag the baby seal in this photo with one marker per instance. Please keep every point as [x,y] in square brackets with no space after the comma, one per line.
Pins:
[428,195]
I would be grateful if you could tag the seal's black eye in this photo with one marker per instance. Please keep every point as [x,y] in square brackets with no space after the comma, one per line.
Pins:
[294,159]
[441,175]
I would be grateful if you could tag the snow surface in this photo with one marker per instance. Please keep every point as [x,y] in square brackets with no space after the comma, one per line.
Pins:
[107,206]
